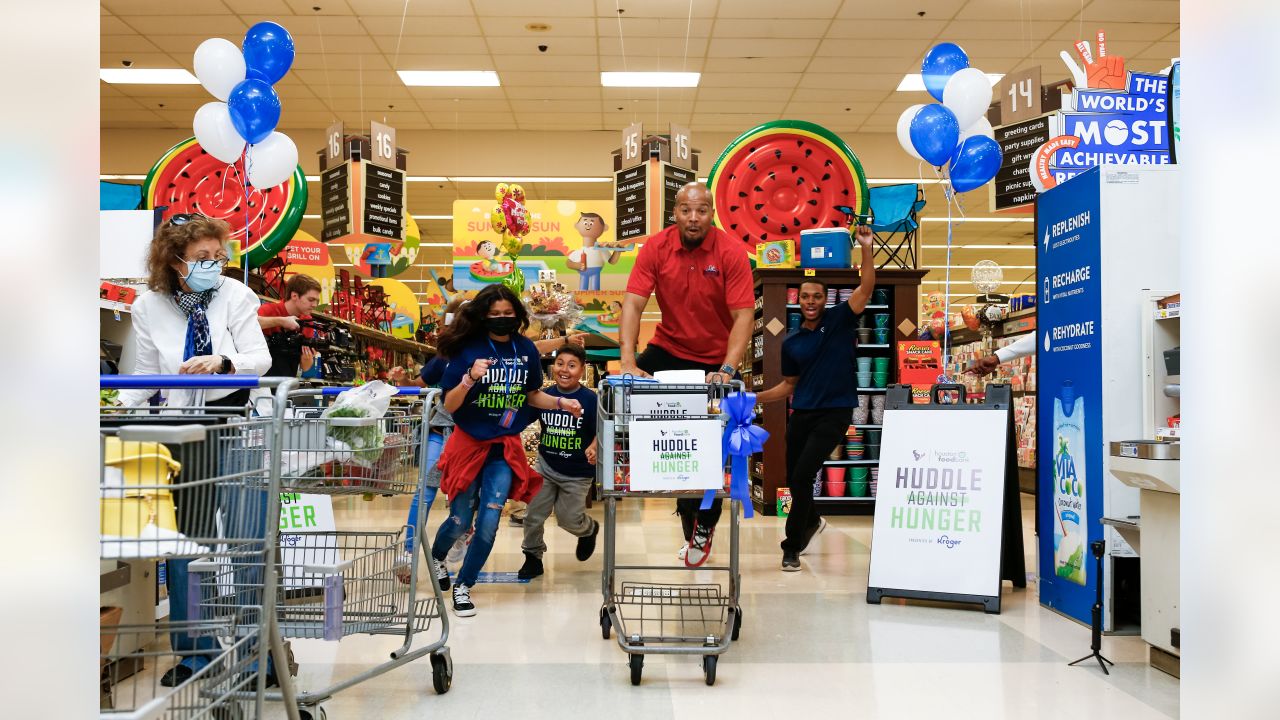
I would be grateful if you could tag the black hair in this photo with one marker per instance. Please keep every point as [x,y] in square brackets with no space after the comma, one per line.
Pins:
[573,350]
[812,281]
[469,323]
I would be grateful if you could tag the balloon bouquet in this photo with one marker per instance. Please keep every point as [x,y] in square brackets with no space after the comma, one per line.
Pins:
[510,218]
[954,133]
[244,119]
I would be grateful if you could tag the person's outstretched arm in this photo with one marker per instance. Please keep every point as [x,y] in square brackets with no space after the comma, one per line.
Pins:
[866,270]
[781,391]
[629,333]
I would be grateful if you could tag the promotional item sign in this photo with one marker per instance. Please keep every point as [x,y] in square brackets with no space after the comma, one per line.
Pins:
[919,364]
[676,455]
[1129,127]
[301,513]
[940,504]
[1068,254]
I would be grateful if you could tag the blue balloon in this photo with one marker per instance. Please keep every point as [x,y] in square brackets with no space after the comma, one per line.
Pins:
[268,52]
[976,163]
[934,133]
[940,63]
[255,110]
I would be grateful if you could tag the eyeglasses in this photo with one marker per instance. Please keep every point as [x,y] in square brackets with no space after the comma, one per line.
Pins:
[184,218]
[208,264]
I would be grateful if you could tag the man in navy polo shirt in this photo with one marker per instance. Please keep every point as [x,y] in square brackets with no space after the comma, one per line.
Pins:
[702,279]
[818,375]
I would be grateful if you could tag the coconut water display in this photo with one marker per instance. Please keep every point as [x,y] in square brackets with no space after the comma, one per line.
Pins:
[1069,532]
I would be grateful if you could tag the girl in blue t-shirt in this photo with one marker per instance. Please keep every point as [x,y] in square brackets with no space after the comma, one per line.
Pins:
[492,390]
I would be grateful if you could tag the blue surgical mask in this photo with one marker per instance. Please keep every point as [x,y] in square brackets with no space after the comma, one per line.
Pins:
[203,275]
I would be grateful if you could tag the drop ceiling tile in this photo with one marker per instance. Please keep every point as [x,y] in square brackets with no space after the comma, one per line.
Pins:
[165,91]
[774,27]
[562,118]
[850,81]
[446,105]
[885,29]
[413,58]
[761,47]
[859,109]
[138,7]
[880,10]
[227,25]
[654,8]
[339,45]
[464,120]
[770,9]
[1117,32]
[126,115]
[561,27]
[535,79]
[350,74]
[416,44]
[315,60]
[342,94]
[445,95]
[523,8]
[263,7]
[1098,14]
[128,44]
[873,47]
[752,65]
[760,80]
[648,94]
[112,25]
[181,44]
[769,106]
[893,64]
[549,62]
[654,27]
[667,48]
[139,59]
[418,25]
[565,107]
[671,63]
[118,102]
[434,8]
[827,95]
[960,31]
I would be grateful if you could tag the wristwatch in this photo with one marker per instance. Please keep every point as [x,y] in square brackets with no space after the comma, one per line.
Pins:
[226,365]
[728,369]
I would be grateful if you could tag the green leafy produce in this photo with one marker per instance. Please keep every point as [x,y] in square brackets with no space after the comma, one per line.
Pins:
[107,398]
[366,440]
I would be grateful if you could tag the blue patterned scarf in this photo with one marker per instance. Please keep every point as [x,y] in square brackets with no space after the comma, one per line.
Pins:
[199,341]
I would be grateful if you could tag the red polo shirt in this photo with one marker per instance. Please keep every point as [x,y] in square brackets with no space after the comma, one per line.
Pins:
[696,289]
[277,309]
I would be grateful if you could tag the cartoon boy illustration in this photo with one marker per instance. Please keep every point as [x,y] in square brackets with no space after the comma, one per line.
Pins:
[487,251]
[590,260]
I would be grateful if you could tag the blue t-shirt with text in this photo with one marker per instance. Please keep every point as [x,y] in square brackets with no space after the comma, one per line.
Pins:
[565,438]
[823,359]
[514,374]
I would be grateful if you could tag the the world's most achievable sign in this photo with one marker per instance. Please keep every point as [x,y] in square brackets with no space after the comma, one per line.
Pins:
[940,504]
[1130,127]
[681,454]
[1068,255]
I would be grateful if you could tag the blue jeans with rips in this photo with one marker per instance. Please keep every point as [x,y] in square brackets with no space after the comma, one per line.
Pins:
[482,501]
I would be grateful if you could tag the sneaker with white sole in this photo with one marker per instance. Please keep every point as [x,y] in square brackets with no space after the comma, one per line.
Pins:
[442,574]
[790,561]
[816,531]
[462,605]
[459,549]
[699,548]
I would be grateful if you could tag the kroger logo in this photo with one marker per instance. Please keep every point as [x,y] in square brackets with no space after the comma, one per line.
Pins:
[944,540]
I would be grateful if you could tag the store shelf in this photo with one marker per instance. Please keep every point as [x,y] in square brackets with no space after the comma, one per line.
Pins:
[796,306]
[1172,314]
[825,498]
[114,306]
[852,462]
[865,427]
[875,346]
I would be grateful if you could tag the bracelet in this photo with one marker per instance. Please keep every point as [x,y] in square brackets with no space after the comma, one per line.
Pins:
[467,381]
[558,401]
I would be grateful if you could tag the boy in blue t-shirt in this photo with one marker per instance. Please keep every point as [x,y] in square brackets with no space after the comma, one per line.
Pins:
[566,461]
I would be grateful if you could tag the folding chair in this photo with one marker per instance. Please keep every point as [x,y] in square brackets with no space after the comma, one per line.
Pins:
[895,212]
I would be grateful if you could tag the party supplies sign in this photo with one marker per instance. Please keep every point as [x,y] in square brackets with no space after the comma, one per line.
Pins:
[676,455]
[939,506]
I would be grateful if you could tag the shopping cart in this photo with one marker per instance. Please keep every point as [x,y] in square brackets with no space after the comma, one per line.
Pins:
[190,486]
[664,618]
[336,583]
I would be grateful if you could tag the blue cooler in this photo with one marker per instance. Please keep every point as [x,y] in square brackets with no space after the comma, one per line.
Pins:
[826,248]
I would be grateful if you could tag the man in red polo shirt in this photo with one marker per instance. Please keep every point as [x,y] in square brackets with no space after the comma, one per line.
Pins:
[703,282]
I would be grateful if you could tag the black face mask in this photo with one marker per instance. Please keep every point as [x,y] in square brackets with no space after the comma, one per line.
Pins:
[501,325]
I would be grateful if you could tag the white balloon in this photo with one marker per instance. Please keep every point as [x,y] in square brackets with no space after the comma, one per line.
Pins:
[219,66]
[981,127]
[271,161]
[216,133]
[968,95]
[904,130]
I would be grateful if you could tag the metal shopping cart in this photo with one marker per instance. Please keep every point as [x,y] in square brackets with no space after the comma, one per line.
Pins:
[189,486]
[667,618]
[336,583]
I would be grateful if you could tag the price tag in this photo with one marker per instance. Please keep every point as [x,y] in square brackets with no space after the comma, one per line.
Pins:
[681,155]
[631,137]
[808,272]
[384,144]
[333,144]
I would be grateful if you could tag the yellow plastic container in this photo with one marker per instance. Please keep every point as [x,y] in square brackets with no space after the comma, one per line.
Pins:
[146,469]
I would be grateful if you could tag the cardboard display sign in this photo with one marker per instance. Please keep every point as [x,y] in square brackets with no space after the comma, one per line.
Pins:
[669,455]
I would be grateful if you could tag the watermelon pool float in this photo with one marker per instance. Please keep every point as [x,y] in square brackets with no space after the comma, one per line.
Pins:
[189,180]
[783,177]
[608,320]
[480,273]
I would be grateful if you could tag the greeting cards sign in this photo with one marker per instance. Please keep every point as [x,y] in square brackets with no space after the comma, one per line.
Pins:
[939,506]
[671,455]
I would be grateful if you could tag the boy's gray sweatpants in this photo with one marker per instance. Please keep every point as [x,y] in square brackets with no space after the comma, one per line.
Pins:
[568,497]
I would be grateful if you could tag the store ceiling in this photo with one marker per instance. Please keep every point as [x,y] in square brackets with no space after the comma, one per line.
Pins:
[834,62]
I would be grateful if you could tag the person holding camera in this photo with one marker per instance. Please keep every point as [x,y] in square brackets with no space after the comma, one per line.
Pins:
[285,335]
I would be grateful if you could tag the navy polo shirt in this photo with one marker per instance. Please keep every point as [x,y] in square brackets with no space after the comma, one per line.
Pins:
[823,359]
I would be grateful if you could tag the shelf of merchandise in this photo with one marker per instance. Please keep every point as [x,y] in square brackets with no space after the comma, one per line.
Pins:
[771,285]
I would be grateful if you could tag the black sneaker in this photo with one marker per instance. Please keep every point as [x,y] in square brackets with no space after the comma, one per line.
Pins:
[790,561]
[462,605]
[442,573]
[587,544]
[531,569]
[813,532]
[177,675]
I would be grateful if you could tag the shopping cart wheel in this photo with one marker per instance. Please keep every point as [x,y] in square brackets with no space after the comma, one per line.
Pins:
[312,713]
[605,625]
[737,623]
[709,667]
[441,672]
[637,666]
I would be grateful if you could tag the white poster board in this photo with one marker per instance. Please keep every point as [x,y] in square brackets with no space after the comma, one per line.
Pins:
[670,404]
[676,455]
[300,513]
[124,236]
[940,503]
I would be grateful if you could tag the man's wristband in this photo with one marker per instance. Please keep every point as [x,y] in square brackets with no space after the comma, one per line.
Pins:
[466,379]
[558,401]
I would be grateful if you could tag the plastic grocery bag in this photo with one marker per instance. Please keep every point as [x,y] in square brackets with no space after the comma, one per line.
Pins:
[354,419]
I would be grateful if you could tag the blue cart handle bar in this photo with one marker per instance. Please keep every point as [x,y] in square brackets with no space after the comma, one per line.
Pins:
[409,390]
[194,382]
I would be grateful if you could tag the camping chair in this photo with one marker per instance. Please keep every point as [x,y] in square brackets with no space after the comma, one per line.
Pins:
[895,212]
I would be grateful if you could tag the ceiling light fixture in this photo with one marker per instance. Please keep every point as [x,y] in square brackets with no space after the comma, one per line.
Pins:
[914,82]
[147,76]
[449,78]
[650,79]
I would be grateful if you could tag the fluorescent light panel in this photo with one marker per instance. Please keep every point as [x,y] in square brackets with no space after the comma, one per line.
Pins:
[650,79]
[449,78]
[914,82]
[147,76]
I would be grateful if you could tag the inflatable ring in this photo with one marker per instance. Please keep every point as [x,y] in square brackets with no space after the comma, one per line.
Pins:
[187,179]
[783,177]
[481,274]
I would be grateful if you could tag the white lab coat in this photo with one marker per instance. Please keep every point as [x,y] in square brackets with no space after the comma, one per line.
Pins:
[1019,348]
[160,332]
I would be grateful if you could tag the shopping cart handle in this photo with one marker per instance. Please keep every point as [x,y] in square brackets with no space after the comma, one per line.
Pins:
[408,390]
[194,382]
[327,569]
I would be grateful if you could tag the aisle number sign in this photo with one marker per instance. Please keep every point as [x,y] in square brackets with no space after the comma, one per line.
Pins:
[681,155]
[631,141]
[671,455]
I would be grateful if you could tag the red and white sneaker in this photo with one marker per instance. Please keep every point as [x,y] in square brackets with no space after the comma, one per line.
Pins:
[699,547]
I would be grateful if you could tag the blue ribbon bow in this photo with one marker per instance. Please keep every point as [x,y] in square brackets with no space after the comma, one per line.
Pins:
[741,439]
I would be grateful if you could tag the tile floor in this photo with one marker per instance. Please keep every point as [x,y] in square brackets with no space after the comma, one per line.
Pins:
[810,644]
